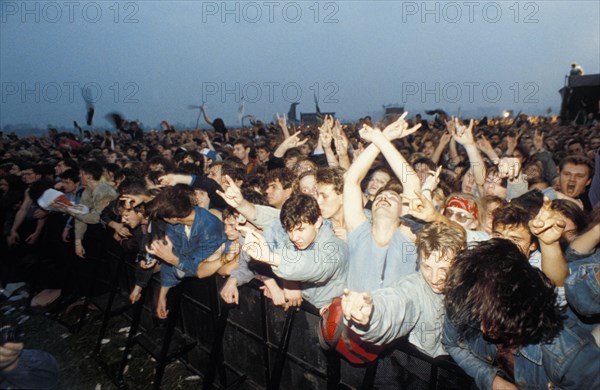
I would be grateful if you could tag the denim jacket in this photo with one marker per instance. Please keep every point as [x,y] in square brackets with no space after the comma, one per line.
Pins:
[206,236]
[582,287]
[570,361]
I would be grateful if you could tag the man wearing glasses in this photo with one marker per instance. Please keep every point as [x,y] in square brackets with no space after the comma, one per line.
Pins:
[465,210]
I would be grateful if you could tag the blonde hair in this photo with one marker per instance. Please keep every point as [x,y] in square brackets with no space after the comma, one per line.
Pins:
[441,237]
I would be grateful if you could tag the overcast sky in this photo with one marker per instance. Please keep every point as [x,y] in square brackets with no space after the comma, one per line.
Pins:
[151,59]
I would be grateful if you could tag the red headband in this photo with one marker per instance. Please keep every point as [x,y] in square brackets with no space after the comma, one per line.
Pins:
[462,203]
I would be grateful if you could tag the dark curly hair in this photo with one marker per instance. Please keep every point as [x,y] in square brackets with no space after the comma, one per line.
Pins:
[171,202]
[298,209]
[283,175]
[512,215]
[493,285]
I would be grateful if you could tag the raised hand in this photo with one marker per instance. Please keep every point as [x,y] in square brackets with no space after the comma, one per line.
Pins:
[445,138]
[433,179]
[509,167]
[538,141]
[325,135]
[548,225]
[420,207]
[131,201]
[358,150]
[233,252]
[233,194]
[328,122]
[512,141]
[368,133]
[461,133]
[484,145]
[294,140]
[399,129]
[255,244]
[357,307]
[281,121]
[339,137]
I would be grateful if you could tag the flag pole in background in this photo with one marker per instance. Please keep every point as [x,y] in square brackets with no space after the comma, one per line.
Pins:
[318,111]
[241,109]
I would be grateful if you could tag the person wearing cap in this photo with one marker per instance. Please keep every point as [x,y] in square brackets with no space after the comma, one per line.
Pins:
[211,156]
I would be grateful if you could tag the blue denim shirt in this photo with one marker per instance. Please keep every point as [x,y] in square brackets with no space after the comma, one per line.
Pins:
[207,235]
[570,361]
[582,288]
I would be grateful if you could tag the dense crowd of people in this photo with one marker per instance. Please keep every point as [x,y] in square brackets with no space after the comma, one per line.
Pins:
[475,239]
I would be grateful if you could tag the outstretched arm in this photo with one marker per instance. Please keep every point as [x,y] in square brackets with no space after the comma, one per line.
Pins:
[387,314]
[437,154]
[326,139]
[464,136]
[548,226]
[359,168]
[357,307]
[233,197]
[354,213]
[588,241]
[341,145]
[486,147]
[403,170]
[290,142]
[282,122]
[205,115]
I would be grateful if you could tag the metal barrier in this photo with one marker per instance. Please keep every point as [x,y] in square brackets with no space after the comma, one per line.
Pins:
[261,344]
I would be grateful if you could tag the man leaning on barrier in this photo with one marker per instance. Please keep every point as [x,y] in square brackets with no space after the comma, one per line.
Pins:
[413,306]
[297,246]
[193,244]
